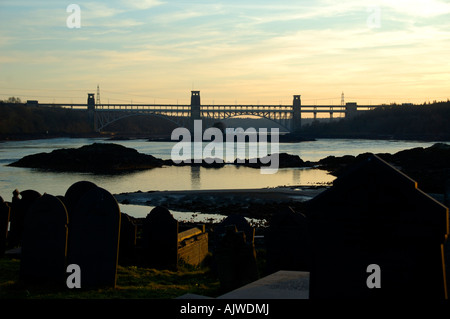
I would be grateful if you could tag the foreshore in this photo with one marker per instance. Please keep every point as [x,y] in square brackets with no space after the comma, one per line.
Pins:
[254,203]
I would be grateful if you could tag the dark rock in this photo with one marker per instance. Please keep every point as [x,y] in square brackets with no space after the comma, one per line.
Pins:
[95,158]
[285,161]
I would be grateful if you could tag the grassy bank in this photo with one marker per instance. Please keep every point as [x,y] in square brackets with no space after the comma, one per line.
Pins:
[132,283]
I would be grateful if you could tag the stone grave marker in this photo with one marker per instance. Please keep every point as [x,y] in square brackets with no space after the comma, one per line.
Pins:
[235,259]
[4,222]
[375,216]
[19,208]
[75,192]
[44,244]
[128,234]
[94,232]
[160,239]
[287,242]
[241,225]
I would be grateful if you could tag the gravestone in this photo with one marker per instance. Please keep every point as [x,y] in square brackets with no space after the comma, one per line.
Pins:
[19,208]
[287,242]
[75,192]
[160,239]
[235,259]
[93,244]
[4,222]
[127,245]
[375,215]
[43,257]
[241,225]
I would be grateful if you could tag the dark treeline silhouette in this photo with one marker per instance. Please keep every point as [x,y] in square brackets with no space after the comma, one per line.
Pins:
[142,124]
[427,121]
[19,119]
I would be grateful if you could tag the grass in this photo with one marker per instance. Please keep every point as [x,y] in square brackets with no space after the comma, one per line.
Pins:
[132,283]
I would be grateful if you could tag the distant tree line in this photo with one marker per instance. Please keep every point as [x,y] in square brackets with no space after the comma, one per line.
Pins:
[142,125]
[427,121]
[17,118]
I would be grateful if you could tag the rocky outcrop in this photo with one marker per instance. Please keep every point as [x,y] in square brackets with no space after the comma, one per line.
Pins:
[95,158]
[285,161]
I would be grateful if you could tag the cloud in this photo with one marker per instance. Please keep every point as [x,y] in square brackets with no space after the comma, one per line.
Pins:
[418,8]
[142,4]
[95,10]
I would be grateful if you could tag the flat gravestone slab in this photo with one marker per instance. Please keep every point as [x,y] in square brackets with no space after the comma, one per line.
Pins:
[43,257]
[94,238]
[280,285]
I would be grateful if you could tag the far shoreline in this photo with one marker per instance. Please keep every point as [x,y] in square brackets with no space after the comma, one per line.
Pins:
[284,138]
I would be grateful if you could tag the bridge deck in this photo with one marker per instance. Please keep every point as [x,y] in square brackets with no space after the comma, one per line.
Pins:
[211,108]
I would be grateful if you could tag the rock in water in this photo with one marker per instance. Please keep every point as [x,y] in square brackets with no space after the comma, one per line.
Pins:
[94,158]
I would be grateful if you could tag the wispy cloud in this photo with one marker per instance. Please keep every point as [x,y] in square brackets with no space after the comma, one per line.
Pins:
[141,4]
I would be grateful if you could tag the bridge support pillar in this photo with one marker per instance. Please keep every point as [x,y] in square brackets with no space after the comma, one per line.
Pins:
[297,114]
[91,110]
[351,109]
[195,109]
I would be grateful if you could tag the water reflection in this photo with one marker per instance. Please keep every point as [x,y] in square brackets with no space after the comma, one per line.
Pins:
[195,177]
[295,176]
[160,179]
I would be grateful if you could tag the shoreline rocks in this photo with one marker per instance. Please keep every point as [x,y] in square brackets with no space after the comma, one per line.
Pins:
[95,158]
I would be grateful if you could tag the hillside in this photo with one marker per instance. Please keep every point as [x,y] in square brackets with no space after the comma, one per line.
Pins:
[421,122]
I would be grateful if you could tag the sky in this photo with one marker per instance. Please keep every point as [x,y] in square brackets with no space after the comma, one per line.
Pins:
[244,52]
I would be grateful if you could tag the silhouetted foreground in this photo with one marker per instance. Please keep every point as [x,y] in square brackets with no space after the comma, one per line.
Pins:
[85,228]
[373,217]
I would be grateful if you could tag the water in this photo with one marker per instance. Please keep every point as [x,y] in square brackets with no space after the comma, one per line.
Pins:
[178,178]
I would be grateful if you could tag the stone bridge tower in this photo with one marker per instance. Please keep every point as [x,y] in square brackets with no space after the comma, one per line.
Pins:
[91,109]
[195,109]
[297,114]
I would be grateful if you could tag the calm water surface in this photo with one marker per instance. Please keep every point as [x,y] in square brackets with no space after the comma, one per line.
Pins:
[179,178]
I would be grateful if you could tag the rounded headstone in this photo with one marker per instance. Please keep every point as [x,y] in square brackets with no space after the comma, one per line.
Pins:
[44,241]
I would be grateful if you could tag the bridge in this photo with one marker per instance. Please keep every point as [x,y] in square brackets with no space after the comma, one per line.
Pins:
[287,116]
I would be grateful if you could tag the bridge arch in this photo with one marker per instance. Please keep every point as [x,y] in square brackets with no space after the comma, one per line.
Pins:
[279,122]
[101,123]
